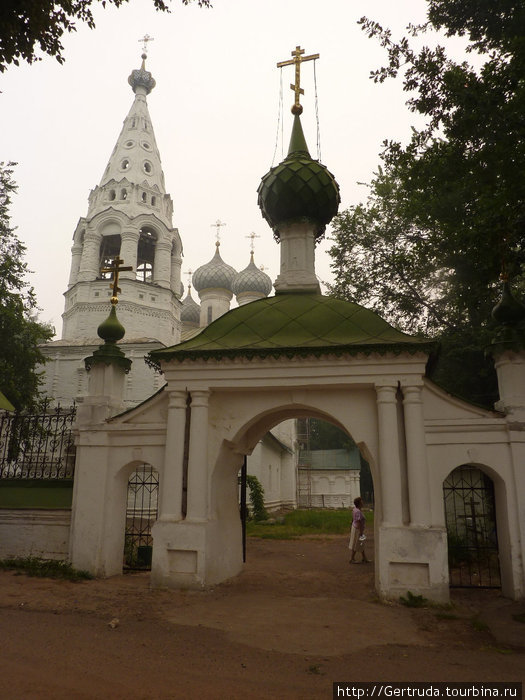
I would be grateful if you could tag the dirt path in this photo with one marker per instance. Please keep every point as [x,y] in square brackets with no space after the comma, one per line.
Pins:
[298,618]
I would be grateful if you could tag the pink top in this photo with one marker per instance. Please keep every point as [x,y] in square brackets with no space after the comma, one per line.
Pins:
[357,517]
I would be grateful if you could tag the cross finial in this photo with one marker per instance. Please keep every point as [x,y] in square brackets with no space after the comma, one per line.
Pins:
[218,225]
[188,275]
[253,236]
[115,268]
[297,59]
[144,41]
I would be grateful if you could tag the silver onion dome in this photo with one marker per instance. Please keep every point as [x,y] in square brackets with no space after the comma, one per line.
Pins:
[216,274]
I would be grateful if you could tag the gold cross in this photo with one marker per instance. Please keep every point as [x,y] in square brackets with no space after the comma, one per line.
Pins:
[115,268]
[218,225]
[297,59]
[253,236]
[188,275]
[145,40]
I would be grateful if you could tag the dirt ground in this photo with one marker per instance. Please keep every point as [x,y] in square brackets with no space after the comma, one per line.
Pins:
[298,618]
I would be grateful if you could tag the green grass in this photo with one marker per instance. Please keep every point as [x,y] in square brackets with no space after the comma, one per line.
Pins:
[44,568]
[301,523]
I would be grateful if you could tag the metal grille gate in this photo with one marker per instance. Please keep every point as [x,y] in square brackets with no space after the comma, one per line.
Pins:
[141,513]
[473,559]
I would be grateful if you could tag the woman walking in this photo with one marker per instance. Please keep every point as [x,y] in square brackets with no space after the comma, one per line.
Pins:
[357,532]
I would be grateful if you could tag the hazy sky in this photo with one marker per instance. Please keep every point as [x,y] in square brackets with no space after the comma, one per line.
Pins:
[214,113]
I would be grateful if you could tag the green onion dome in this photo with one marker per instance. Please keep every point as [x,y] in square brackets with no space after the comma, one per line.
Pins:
[216,274]
[253,280]
[508,311]
[298,189]
[111,330]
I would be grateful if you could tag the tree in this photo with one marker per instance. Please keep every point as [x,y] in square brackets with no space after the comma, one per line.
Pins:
[26,24]
[20,330]
[446,213]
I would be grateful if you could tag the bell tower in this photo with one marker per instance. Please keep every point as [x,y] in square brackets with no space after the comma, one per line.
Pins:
[129,215]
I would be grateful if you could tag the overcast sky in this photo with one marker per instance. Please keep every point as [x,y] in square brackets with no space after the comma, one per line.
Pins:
[214,112]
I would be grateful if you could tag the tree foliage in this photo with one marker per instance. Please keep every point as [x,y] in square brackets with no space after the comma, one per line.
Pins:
[446,212]
[29,25]
[20,330]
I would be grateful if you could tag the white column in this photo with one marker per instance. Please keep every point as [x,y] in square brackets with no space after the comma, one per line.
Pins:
[162,264]
[76,256]
[129,242]
[89,263]
[417,471]
[171,483]
[197,508]
[297,259]
[389,463]
[176,263]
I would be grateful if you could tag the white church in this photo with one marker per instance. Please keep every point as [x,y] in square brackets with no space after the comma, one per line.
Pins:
[230,376]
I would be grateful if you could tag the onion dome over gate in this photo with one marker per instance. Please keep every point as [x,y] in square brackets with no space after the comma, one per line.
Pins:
[253,280]
[191,311]
[214,275]
[298,189]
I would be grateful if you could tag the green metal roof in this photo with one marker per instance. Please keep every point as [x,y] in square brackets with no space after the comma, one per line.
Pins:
[5,404]
[294,324]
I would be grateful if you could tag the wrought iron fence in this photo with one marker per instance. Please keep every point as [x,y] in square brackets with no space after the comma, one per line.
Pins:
[38,445]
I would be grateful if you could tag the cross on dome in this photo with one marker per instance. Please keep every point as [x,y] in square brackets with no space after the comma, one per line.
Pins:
[188,274]
[218,225]
[253,236]
[297,59]
[144,41]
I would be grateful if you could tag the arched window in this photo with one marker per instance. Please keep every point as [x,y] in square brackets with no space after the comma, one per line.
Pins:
[146,254]
[125,164]
[112,195]
[147,167]
[144,197]
[123,194]
[109,249]
[153,201]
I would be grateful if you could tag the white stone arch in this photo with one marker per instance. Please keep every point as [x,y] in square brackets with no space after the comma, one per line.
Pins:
[502,517]
[326,405]
[223,488]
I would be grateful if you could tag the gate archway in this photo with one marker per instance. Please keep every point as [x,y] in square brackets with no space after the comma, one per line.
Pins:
[470,514]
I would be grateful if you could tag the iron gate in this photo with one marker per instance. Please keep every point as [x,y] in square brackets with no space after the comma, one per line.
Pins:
[141,513]
[473,559]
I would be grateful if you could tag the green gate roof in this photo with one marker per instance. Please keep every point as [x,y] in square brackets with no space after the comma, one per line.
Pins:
[290,325]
